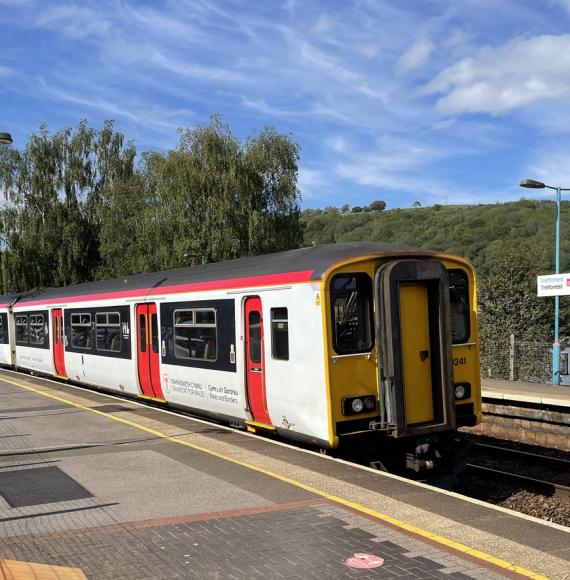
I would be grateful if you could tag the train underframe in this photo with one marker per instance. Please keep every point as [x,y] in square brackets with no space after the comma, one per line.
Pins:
[435,457]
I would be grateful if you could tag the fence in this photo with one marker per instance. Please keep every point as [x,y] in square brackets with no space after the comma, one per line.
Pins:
[517,360]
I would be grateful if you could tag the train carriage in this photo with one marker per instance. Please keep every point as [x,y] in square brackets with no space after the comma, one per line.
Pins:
[367,347]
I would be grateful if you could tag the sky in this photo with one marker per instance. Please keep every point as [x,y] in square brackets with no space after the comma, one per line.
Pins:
[436,101]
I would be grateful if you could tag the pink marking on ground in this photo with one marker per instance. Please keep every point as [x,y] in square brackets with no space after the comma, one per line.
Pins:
[362,561]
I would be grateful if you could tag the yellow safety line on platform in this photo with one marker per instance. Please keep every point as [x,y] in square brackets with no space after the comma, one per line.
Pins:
[345,502]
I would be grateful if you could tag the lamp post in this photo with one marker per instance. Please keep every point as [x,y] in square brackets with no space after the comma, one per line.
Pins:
[532,184]
[5,139]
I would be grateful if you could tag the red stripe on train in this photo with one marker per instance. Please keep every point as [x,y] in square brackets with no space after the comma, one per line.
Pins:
[145,293]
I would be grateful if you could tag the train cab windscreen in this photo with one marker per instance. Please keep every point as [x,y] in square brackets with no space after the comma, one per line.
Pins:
[459,306]
[351,300]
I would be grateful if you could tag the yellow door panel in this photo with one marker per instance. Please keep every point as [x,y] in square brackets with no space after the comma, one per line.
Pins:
[416,355]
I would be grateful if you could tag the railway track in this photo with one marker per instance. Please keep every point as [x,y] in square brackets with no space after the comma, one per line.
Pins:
[516,465]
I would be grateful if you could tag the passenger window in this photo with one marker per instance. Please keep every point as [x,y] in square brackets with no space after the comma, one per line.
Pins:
[279,334]
[351,301]
[195,334]
[81,330]
[22,329]
[108,331]
[254,323]
[37,329]
[459,304]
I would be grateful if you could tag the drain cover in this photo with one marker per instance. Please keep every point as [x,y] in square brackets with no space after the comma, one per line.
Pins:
[24,487]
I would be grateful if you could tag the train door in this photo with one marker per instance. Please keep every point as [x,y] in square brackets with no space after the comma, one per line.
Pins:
[148,350]
[254,363]
[58,342]
[413,322]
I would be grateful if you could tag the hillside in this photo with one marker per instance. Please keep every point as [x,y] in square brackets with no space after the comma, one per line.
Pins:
[482,233]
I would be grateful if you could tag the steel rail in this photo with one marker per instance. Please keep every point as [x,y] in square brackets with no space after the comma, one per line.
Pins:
[546,487]
[536,457]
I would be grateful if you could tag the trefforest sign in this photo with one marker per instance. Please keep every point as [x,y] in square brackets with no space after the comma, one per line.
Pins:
[553,285]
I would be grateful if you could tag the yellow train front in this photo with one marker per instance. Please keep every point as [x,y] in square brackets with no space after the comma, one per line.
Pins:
[402,357]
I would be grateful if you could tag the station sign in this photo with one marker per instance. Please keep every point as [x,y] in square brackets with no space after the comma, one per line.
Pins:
[553,285]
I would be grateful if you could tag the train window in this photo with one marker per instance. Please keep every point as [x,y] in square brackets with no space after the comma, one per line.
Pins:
[351,302]
[37,329]
[195,334]
[459,303]
[279,334]
[154,332]
[22,329]
[108,331]
[81,330]
[142,331]
[254,323]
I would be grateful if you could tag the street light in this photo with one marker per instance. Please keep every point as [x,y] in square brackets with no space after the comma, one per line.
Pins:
[5,139]
[532,184]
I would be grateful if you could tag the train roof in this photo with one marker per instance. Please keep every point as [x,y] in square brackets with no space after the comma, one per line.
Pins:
[300,265]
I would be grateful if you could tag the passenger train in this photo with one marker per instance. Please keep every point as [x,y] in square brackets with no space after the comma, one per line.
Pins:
[366,348]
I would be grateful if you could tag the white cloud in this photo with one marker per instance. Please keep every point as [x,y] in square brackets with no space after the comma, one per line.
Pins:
[394,164]
[329,65]
[74,21]
[325,23]
[499,79]
[337,144]
[553,168]
[5,71]
[144,114]
[195,70]
[310,181]
[416,56]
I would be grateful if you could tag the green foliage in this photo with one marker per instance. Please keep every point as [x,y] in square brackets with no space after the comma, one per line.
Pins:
[482,233]
[508,304]
[377,205]
[77,208]
[52,189]
[212,198]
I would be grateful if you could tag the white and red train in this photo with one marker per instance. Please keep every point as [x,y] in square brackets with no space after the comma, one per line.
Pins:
[365,344]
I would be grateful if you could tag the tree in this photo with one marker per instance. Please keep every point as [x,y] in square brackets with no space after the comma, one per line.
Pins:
[377,205]
[52,189]
[212,197]
[356,209]
[508,304]
[416,204]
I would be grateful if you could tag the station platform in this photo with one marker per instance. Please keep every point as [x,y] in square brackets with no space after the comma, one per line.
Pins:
[115,489]
[523,392]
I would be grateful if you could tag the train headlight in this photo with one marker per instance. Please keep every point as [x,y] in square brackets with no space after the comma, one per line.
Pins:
[357,405]
[462,391]
[370,403]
